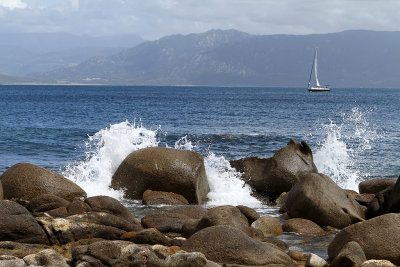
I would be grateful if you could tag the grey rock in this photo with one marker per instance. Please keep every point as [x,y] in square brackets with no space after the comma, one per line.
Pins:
[351,255]
[11,261]
[225,244]
[163,169]
[315,261]
[378,238]
[317,198]
[24,182]
[17,224]
[47,257]
[269,225]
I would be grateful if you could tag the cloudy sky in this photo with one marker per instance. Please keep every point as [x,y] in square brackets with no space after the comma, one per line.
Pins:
[153,19]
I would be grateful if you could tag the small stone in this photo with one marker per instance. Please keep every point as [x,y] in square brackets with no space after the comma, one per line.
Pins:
[315,261]
[151,197]
[193,259]
[298,255]
[302,226]
[269,225]
[377,263]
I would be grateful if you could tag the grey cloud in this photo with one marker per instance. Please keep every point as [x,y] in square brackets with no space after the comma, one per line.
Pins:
[155,18]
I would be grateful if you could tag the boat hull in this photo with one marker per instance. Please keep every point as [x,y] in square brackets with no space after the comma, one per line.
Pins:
[319,89]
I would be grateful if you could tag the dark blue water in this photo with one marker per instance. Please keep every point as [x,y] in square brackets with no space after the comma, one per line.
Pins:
[48,125]
[354,133]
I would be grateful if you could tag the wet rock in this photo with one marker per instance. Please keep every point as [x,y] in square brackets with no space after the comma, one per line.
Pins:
[225,244]
[317,198]
[11,261]
[24,182]
[90,225]
[47,257]
[58,212]
[192,211]
[255,171]
[114,253]
[193,259]
[17,224]
[77,206]
[364,199]
[151,197]
[163,169]
[150,236]
[46,202]
[385,201]
[250,213]
[315,261]
[302,226]
[225,215]
[298,256]
[269,225]
[279,173]
[177,241]
[351,255]
[378,237]
[190,227]
[110,205]
[376,185]
[276,242]
[165,221]
[257,234]
[20,250]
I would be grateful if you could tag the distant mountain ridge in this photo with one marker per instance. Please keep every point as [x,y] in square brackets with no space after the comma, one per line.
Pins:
[232,58]
[23,53]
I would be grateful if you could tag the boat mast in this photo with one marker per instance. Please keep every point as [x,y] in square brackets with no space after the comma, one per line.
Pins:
[312,66]
[315,69]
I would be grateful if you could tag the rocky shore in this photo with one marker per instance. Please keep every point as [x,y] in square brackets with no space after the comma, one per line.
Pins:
[47,220]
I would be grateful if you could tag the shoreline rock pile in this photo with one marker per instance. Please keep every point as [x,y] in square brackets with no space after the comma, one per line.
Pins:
[47,220]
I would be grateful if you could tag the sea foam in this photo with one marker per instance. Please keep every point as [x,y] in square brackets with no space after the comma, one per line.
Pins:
[106,149]
[340,154]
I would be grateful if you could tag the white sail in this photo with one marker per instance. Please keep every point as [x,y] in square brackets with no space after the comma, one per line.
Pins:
[315,68]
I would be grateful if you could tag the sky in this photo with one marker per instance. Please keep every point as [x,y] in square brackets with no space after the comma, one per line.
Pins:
[153,19]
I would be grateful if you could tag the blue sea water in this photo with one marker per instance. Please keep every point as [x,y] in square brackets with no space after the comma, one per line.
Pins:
[48,125]
[84,132]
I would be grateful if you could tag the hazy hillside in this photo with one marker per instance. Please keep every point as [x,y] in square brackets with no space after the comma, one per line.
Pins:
[23,53]
[346,59]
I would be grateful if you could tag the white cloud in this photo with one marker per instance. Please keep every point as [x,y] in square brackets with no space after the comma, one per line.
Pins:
[12,4]
[75,4]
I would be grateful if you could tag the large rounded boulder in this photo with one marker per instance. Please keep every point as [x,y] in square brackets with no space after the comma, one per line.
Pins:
[17,224]
[163,169]
[317,198]
[376,185]
[277,174]
[225,244]
[24,181]
[378,237]
[385,201]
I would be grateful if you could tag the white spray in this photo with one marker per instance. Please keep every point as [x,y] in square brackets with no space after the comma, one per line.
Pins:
[339,154]
[106,149]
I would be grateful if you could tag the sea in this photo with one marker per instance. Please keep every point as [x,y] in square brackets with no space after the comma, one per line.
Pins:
[84,132]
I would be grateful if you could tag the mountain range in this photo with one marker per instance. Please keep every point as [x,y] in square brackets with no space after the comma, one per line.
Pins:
[24,53]
[355,58]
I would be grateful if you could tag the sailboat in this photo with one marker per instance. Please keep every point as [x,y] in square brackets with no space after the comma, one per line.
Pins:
[318,87]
